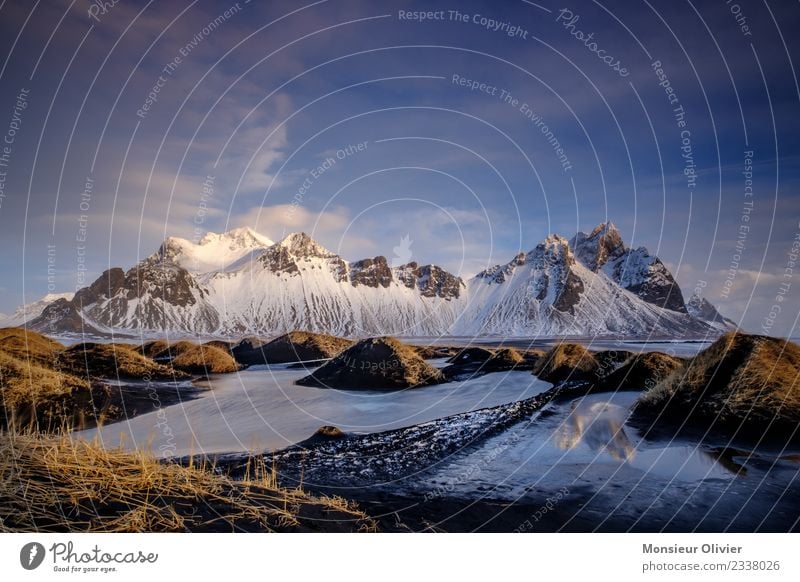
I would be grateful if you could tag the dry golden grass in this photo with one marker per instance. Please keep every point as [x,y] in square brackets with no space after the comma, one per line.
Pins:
[565,362]
[36,389]
[153,349]
[198,359]
[25,381]
[302,345]
[29,345]
[331,345]
[376,363]
[190,357]
[220,345]
[56,484]
[739,377]
[507,357]
[95,360]
[642,371]
[46,386]
[435,351]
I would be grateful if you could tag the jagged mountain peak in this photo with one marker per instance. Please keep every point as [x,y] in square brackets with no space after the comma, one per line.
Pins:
[606,228]
[603,244]
[553,249]
[301,245]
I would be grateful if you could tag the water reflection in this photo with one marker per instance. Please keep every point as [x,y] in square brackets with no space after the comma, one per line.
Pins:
[598,423]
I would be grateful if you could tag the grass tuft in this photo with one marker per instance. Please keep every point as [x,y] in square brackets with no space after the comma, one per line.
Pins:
[58,484]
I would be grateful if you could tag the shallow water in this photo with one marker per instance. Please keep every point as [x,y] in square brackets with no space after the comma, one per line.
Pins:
[261,409]
[607,474]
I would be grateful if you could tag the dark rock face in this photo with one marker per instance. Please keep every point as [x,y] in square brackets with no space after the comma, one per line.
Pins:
[106,299]
[594,250]
[163,281]
[279,260]
[61,316]
[106,285]
[432,281]
[570,294]
[375,364]
[500,273]
[292,253]
[650,280]
[371,272]
[554,260]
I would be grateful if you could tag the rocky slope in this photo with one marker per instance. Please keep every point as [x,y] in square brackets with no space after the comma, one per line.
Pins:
[635,270]
[548,291]
[700,308]
[239,283]
[32,310]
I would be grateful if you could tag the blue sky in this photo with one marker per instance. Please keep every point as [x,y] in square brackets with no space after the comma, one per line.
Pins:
[262,98]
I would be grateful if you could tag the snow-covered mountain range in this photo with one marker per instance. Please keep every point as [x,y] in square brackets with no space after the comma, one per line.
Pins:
[241,283]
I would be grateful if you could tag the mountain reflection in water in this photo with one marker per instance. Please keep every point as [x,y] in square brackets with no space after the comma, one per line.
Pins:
[599,425]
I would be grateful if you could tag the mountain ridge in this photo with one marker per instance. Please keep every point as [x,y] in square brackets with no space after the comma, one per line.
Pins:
[591,284]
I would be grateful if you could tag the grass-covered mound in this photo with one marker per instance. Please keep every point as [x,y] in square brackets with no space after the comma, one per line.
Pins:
[475,361]
[506,358]
[94,360]
[471,355]
[39,389]
[223,345]
[52,484]
[49,387]
[43,398]
[199,359]
[641,371]
[155,349]
[381,363]
[567,363]
[28,345]
[295,346]
[433,351]
[745,384]
[190,357]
